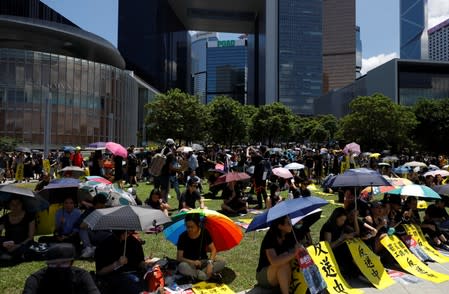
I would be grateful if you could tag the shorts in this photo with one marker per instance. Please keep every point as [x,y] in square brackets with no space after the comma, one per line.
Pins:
[262,278]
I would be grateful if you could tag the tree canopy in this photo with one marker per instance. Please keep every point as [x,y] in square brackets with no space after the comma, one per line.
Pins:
[376,122]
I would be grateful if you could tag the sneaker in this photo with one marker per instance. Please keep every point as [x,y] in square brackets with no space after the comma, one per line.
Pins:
[87,252]
[443,246]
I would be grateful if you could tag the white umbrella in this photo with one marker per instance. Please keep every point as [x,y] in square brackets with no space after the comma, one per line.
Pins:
[433,173]
[185,149]
[420,191]
[294,166]
[415,164]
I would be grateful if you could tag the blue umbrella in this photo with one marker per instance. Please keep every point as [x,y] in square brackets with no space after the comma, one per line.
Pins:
[292,208]
[402,170]
[58,189]
[68,148]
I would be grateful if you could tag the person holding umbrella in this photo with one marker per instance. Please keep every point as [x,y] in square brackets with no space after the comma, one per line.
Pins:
[118,272]
[276,252]
[192,248]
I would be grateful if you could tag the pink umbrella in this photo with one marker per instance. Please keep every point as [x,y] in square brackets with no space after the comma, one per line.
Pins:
[282,172]
[117,149]
[98,179]
[352,147]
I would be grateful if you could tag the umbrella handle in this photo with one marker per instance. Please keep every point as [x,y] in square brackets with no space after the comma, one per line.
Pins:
[126,238]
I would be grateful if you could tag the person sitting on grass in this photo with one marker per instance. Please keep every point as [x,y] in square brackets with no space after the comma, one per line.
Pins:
[65,225]
[277,250]
[190,196]
[155,201]
[60,276]
[232,201]
[119,271]
[193,246]
[20,227]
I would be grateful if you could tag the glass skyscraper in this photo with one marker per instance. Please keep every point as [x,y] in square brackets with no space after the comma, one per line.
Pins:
[227,69]
[199,56]
[413,29]
[300,54]
[358,53]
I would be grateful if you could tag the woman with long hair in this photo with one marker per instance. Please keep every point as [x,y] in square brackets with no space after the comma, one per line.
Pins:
[278,248]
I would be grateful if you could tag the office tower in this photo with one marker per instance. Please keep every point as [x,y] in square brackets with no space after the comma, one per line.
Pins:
[227,69]
[358,53]
[413,29]
[339,44]
[439,42]
[198,67]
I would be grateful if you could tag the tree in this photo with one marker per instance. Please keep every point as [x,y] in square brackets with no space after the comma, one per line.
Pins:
[7,143]
[272,123]
[433,124]
[378,123]
[176,114]
[330,123]
[227,120]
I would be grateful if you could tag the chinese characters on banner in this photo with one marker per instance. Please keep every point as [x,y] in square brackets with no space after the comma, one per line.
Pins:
[418,235]
[298,284]
[323,257]
[410,262]
[19,172]
[369,264]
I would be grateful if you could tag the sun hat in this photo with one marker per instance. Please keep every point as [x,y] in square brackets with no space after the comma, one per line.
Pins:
[60,253]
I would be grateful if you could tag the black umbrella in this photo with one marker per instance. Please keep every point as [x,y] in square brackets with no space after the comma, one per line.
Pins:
[23,149]
[32,202]
[360,177]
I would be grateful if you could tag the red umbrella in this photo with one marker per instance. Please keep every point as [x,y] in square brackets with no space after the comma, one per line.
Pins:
[282,172]
[98,179]
[117,149]
[232,177]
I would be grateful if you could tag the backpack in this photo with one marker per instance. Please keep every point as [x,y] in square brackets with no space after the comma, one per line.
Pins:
[156,165]
[155,279]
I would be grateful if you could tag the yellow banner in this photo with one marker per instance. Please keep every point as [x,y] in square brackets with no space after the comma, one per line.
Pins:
[211,288]
[19,172]
[410,262]
[419,237]
[369,264]
[323,257]
[46,165]
[298,285]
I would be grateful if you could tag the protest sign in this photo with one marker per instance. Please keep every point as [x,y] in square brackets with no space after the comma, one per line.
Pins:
[211,288]
[19,172]
[418,235]
[369,264]
[321,253]
[410,262]
[46,165]
[298,284]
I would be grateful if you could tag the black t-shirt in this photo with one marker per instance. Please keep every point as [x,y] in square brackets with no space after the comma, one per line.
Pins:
[331,228]
[111,249]
[190,198]
[270,241]
[436,212]
[194,249]
[17,232]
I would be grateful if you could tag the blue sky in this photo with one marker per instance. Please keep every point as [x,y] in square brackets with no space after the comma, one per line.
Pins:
[378,21]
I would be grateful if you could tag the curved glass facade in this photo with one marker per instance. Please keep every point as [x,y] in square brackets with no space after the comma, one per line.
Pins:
[85,101]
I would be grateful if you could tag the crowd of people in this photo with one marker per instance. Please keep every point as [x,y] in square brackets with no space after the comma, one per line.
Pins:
[121,267]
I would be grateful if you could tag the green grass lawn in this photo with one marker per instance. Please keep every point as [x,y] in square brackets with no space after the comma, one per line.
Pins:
[241,261]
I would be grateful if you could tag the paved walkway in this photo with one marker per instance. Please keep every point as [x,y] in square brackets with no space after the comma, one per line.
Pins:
[404,285]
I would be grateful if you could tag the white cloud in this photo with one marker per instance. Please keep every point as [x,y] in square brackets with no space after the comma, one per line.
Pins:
[438,11]
[374,61]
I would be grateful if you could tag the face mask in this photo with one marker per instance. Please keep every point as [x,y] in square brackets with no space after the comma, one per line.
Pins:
[277,193]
